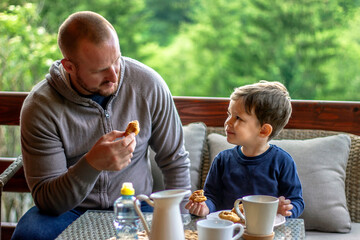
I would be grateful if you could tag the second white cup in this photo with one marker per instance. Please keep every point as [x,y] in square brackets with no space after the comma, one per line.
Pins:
[211,229]
[260,212]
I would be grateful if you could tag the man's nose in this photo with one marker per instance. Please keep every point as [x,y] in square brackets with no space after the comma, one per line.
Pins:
[112,74]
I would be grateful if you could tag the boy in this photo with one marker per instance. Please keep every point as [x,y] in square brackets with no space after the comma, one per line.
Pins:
[256,114]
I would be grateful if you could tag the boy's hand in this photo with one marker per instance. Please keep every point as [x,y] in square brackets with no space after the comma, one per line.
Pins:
[199,209]
[284,207]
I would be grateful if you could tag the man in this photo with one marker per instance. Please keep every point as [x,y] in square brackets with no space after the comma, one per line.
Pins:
[75,154]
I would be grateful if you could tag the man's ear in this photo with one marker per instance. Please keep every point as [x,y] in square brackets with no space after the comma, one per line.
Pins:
[266,130]
[68,65]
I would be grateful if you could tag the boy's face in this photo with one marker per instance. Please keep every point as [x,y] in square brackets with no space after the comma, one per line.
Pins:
[241,128]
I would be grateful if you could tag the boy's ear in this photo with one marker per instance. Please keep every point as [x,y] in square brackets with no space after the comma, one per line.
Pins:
[266,130]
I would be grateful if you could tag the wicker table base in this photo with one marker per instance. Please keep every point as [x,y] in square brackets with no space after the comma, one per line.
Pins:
[98,225]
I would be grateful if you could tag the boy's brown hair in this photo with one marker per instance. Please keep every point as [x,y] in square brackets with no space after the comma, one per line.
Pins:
[270,102]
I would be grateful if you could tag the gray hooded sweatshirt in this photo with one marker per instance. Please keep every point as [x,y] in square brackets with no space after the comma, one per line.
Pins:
[58,127]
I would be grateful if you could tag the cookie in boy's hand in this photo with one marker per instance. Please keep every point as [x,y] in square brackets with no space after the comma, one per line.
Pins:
[132,127]
[198,196]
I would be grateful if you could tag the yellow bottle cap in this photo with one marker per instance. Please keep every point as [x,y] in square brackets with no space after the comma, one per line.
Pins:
[127,189]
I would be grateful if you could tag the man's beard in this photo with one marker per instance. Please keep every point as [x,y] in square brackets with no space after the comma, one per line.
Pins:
[97,91]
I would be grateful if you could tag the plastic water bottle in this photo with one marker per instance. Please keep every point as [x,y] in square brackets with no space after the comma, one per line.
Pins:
[126,220]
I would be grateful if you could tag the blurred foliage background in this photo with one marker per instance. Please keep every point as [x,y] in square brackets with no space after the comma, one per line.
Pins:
[202,47]
[199,47]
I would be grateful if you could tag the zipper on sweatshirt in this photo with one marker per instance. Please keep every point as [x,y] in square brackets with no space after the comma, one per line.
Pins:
[107,115]
[107,122]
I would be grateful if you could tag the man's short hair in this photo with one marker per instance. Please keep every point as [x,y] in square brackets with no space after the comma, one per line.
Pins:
[82,25]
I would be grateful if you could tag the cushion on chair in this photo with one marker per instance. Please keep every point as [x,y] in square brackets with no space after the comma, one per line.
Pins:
[194,136]
[321,164]
[353,235]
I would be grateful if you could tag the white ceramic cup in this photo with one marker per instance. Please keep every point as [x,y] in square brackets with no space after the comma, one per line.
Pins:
[260,212]
[216,229]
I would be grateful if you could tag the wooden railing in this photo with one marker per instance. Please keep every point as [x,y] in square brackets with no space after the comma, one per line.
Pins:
[324,115]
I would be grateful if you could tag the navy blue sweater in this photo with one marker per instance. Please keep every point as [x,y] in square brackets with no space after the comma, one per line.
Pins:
[233,175]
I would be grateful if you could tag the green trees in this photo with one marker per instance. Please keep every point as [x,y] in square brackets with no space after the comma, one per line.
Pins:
[200,47]
[166,18]
[230,43]
[342,72]
[291,41]
[27,50]
[126,16]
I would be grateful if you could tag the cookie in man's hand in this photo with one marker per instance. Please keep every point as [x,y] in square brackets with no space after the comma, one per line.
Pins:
[132,127]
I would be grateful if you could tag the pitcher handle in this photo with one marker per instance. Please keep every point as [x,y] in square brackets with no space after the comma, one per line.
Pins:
[237,210]
[240,233]
[145,198]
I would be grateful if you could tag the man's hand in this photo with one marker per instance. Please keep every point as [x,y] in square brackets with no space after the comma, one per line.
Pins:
[199,209]
[284,207]
[111,154]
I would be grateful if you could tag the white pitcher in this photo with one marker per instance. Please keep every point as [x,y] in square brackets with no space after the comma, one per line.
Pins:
[166,222]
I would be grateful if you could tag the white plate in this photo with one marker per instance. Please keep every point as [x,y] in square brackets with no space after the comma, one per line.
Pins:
[279,219]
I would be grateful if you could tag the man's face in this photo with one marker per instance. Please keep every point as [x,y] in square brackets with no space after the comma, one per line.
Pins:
[97,67]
